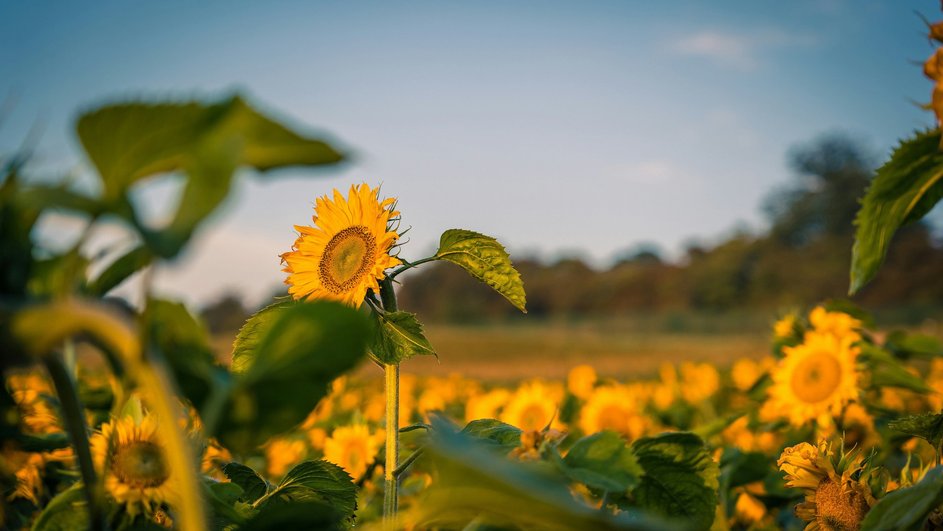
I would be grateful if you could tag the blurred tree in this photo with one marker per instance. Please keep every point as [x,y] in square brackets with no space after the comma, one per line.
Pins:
[226,314]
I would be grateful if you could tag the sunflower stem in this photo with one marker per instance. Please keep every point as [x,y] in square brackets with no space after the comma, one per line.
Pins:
[74,417]
[409,265]
[391,373]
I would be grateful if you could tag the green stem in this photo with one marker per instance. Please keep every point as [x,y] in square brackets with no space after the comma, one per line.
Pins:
[404,466]
[391,387]
[73,415]
[409,265]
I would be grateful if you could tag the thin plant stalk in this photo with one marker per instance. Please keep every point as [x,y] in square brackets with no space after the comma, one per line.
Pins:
[391,388]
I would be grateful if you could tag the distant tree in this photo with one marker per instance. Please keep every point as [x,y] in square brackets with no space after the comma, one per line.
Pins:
[832,173]
[226,314]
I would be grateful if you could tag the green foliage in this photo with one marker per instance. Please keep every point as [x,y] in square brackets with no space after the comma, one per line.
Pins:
[903,191]
[318,481]
[603,461]
[397,337]
[928,426]
[494,433]
[907,509]
[485,259]
[739,468]
[250,335]
[288,368]
[68,510]
[253,486]
[306,514]
[917,345]
[887,371]
[680,478]
[118,271]
[207,142]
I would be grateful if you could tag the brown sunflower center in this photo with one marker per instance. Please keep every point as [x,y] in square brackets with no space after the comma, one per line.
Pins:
[816,377]
[347,258]
[139,464]
[838,510]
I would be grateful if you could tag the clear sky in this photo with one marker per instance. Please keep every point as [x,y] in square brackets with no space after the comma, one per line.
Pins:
[558,127]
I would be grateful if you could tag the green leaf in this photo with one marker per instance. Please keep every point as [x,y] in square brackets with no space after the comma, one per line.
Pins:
[251,334]
[907,509]
[289,370]
[207,142]
[494,433]
[740,468]
[317,481]
[42,443]
[58,276]
[119,270]
[184,344]
[903,191]
[681,479]
[918,345]
[928,426]
[603,461]
[300,515]
[253,486]
[485,259]
[397,337]
[223,499]
[888,371]
[68,510]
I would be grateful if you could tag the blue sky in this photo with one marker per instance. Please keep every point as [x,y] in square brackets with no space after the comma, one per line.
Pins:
[559,127]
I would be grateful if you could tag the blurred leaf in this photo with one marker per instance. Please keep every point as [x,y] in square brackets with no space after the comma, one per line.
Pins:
[223,499]
[739,468]
[476,485]
[252,332]
[397,337]
[681,479]
[319,481]
[130,141]
[60,197]
[903,191]
[184,345]
[603,461]
[42,443]
[58,276]
[928,426]
[68,510]
[291,364]
[119,270]
[906,345]
[16,224]
[888,371]
[301,515]
[486,259]
[253,486]
[907,509]
[501,436]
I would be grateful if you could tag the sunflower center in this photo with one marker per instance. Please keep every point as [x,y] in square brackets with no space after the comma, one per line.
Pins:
[816,377]
[348,257]
[139,464]
[838,510]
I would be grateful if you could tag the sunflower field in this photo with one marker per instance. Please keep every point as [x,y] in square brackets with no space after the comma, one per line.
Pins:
[116,416]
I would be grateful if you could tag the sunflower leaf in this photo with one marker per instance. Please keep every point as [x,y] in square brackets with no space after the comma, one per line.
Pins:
[485,259]
[928,426]
[603,461]
[397,337]
[252,332]
[119,270]
[316,481]
[680,479]
[903,191]
[907,508]
[68,510]
[253,486]
[494,433]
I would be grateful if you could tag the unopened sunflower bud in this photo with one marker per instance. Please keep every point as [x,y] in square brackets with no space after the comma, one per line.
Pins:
[936,31]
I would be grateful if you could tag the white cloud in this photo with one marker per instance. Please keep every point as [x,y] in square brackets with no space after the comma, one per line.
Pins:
[737,50]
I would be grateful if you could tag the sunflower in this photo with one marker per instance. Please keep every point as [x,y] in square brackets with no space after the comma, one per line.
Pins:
[486,405]
[613,408]
[532,407]
[838,324]
[347,250]
[281,454]
[785,327]
[837,495]
[815,380]
[581,380]
[132,460]
[699,381]
[352,448]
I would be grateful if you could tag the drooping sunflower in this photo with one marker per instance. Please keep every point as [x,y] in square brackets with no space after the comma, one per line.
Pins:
[346,251]
[815,380]
[129,454]
[837,493]
[352,448]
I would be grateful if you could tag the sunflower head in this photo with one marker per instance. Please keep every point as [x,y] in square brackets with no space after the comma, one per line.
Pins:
[346,251]
[581,380]
[129,453]
[353,448]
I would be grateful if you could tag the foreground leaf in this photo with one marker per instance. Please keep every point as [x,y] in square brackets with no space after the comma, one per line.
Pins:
[397,337]
[486,259]
[300,515]
[68,510]
[928,426]
[319,481]
[681,479]
[603,461]
[253,486]
[118,271]
[903,191]
[907,509]
[494,433]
